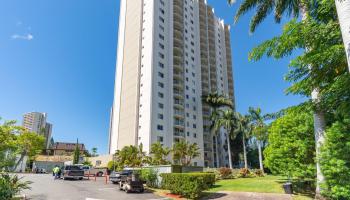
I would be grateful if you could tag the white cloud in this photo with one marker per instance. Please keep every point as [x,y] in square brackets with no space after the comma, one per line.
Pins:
[22,37]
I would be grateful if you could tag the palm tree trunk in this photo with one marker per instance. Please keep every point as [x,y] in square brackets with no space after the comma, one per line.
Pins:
[229,151]
[260,156]
[319,126]
[19,160]
[217,152]
[343,10]
[244,153]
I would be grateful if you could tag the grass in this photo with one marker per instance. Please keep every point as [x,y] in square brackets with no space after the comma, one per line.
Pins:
[267,184]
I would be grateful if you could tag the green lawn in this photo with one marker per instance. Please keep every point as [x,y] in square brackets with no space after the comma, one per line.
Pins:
[268,184]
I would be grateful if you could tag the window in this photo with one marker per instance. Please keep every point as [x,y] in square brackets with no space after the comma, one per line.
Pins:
[161,45]
[160,95]
[161,19]
[161,85]
[161,65]
[161,10]
[194,126]
[161,55]
[160,127]
[160,116]
[161,36]
[160,74]
[195,135]
[160,105]
[160,138]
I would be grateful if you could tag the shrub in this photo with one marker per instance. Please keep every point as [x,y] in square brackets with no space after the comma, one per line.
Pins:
[225,172]
[335,161]
[11,185]
[189,185]
[150,176]
[259,173]
[244,173]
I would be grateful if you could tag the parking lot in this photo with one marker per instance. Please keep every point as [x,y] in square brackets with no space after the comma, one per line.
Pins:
[44,187]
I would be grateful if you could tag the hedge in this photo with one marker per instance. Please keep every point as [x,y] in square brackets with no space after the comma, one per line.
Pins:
[189,185]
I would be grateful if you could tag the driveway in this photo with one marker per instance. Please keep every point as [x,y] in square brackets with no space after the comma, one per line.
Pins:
[44,187]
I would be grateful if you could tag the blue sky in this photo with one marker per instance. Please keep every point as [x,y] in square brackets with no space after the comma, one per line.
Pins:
[59,57]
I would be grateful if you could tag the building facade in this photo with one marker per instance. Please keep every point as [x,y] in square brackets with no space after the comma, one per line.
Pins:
[66,149]
[36,122]
[170,54]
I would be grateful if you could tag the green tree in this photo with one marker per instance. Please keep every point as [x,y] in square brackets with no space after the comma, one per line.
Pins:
[291,145]
[227,120]
[94,152]
[87,162]
[29,144]
[159,154]
[308,10]
[216,102]
[244,128]
[8,146]
[259,131]
[184,152]
[76,156]
[130,156]
[335,160]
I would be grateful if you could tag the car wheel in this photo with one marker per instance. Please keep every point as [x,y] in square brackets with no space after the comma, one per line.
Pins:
[81,178]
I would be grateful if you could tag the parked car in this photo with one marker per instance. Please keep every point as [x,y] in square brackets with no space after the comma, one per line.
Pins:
[131,183]
[94,171]
[72,172]
[115,177]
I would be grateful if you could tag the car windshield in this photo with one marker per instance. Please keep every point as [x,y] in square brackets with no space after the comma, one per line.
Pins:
[73,167]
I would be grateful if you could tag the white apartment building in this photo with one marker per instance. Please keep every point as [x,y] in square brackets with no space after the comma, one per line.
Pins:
[36,122]
[170,53]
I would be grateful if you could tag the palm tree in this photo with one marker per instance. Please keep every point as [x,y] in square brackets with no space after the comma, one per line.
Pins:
[159,154]
[245,128]
[343,10]
[259,131]
[192,152]
[184,152]
[216,101]
[295,8]
[227,119]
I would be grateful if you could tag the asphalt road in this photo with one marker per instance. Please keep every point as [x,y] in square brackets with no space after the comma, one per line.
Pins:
[44,187]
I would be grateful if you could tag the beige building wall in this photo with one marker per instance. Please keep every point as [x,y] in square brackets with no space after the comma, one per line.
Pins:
[127,104]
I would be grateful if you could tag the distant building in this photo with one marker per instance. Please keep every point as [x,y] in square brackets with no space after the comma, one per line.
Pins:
[100,161]
[36,122]
[63,148]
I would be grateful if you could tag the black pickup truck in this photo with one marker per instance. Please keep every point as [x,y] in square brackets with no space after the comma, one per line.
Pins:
[72,172]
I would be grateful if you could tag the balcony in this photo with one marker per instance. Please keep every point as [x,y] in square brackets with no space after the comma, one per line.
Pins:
[178,76]
[180,124]
[178,34]
[178,84]
[178,93]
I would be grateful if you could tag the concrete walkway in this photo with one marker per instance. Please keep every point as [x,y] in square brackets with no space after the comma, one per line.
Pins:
[248,196]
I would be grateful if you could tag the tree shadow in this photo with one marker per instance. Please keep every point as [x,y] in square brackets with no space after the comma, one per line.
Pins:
[212,195]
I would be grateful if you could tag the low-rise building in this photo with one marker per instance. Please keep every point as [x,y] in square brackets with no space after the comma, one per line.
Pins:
[100,161]
[65,148]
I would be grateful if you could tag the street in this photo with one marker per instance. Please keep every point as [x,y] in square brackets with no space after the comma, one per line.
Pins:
[44,187]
